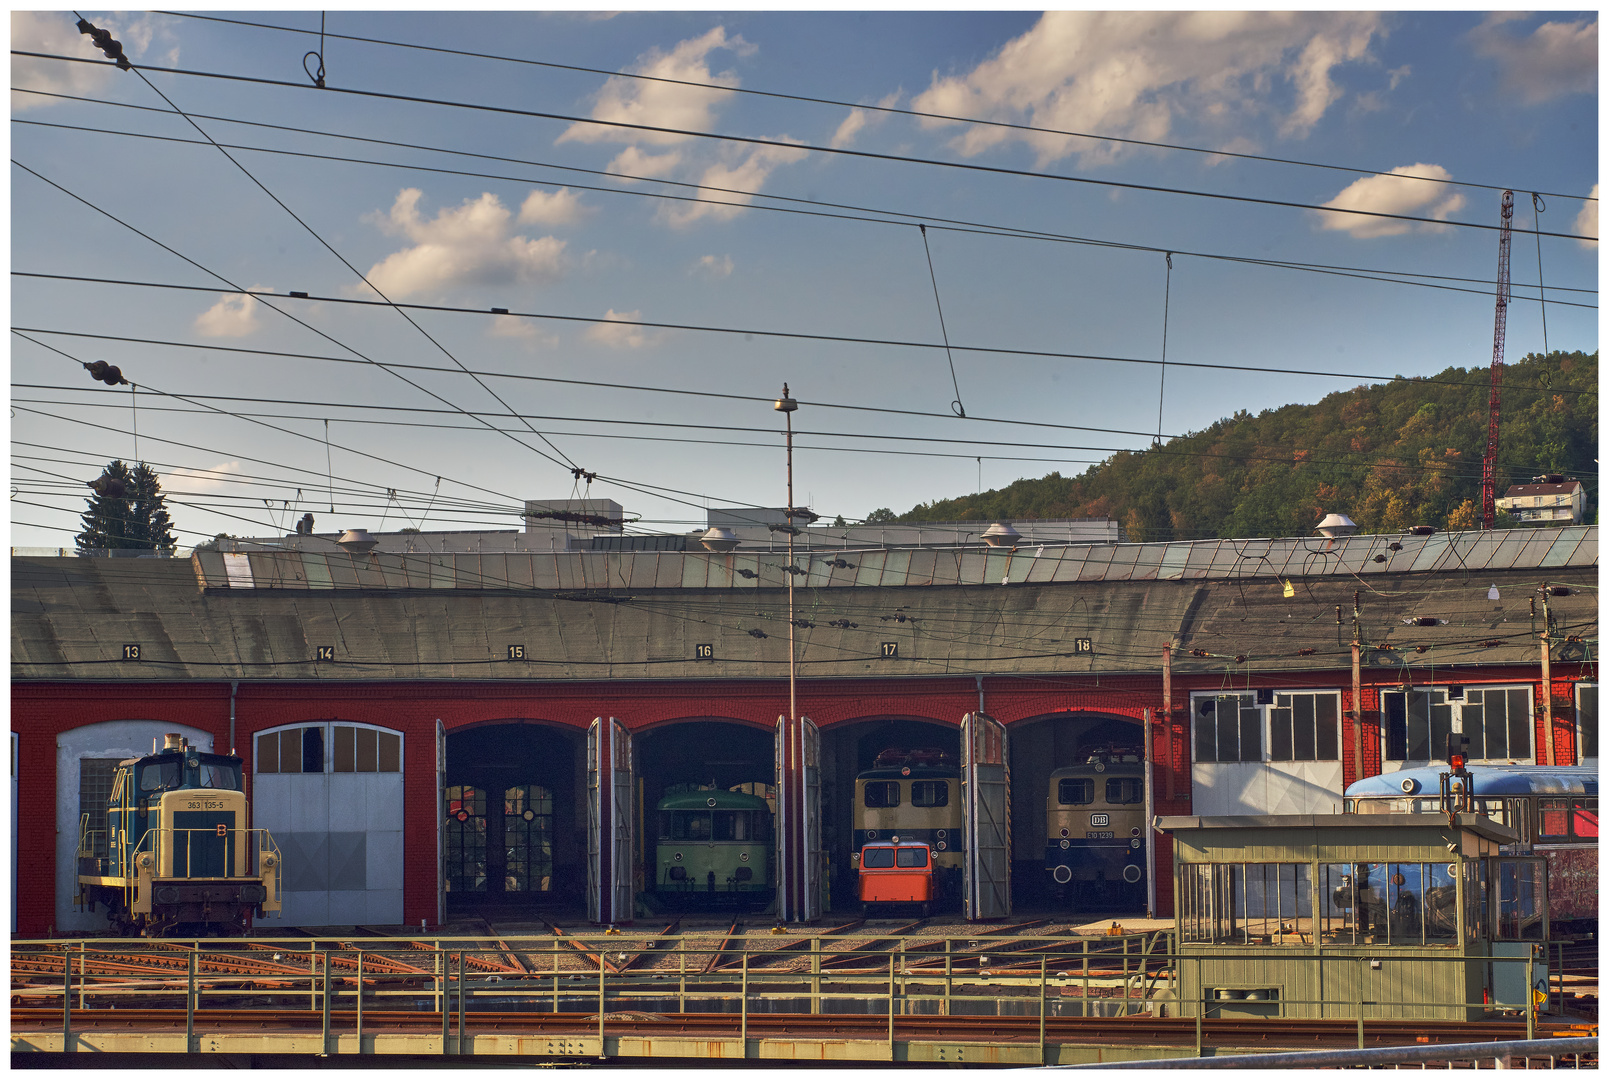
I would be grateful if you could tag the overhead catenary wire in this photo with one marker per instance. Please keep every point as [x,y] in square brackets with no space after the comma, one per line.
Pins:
[750,140]
[955,406]
[314,233]
[889,109]
[1403,277]
[236,289]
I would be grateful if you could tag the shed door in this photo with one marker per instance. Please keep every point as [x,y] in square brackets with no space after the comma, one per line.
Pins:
[799,853]
[986,806]
[609,817]
[441,823]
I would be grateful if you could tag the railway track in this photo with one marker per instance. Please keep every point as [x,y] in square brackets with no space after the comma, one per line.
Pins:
[714,960]
[1147,1030]
[788,950]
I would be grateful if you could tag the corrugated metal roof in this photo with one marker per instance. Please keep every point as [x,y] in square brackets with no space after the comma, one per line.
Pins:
[1571,546]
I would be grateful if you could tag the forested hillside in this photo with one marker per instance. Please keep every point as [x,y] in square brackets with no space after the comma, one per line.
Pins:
[1402,453]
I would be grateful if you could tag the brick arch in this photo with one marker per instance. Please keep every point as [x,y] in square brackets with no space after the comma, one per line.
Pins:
[646,727]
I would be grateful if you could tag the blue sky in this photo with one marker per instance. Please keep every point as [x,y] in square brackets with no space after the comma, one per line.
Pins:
[582,259]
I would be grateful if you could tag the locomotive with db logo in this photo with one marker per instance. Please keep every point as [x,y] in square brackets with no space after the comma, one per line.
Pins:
[1094,835]
[913,796]
[714,851]
[178,855]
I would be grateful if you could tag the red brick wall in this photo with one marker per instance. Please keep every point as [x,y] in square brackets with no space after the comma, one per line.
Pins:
[40,711]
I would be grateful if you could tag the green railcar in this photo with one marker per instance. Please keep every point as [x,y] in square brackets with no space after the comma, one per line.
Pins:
[714,851]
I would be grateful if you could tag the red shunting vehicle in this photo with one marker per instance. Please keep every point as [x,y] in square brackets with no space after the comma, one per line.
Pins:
[895,873]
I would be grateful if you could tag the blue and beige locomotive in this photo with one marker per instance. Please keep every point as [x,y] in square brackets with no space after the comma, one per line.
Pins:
[1094,834]
[913,796]
[180,857]
[714,850]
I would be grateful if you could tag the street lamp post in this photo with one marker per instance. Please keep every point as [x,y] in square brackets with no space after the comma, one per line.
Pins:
[786,406]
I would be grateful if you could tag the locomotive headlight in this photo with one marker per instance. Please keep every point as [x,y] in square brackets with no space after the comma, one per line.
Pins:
[144,861]
[743,855]
[1065,844]
[943,845]
[943,833]
[270,861]
[678,856]
[1134,844]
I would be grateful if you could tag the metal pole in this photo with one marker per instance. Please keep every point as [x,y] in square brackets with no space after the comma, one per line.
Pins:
[1357,694]
[1361,978]
[1530,994]
[815,975]
[83,975]
[601,966]
[1150,811]
[325,1042]
[891,1006]
[360,1002]
[743,1031]
[1042,1010]
[441,996]
[1547,681]
[948,980]
[555,974]
[1167,713]
[681,977]
[1086,978]
[463,988]
[67,1001]
[1201,1005]
[190,1005]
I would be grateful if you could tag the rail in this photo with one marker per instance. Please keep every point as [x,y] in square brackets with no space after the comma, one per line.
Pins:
[1578,1053]
[1039,990]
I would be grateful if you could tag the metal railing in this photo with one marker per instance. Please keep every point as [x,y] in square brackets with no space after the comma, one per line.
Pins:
[1575,1053]
[596,976]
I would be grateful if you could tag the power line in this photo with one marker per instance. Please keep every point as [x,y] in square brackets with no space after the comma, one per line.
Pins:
[645,324]
[384,367]
[891,110]
[938,223]
[749,140]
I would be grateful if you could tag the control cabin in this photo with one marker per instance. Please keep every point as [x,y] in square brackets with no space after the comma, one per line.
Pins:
[1399,915]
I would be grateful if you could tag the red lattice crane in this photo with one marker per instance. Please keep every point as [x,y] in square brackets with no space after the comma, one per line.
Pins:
[1489,463]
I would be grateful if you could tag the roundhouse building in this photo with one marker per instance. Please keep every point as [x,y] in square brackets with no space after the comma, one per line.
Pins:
[444,730]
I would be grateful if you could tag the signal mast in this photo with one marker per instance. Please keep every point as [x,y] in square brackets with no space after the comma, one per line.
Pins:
[1489,463]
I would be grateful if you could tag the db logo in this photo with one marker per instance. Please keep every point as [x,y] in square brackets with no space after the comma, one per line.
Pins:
[1100,819]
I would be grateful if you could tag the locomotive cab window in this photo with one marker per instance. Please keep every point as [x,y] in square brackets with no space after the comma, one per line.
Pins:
[160,776]
[1075,791]
[1121,791]
[877,858]
[882,794]
[913,858]
[930,793]
[219,772]
[687,824]
[738,825]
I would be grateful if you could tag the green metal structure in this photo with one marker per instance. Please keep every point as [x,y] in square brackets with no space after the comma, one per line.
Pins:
[1407,916]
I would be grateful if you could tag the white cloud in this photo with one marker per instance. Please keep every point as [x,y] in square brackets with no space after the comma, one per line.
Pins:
[738,180]
[618,333]
[859,119]
[1397,192]
[561,207]
[525,330]
[233,316]
[663,104]
[200,481]
[715,266]
[1586,222]
[1558,58]
[472,244]
[1133,74]
[633,162]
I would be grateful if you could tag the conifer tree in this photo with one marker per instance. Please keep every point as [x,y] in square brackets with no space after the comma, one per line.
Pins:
[127,511]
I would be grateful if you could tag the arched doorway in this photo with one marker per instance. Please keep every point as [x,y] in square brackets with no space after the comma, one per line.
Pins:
[1039,746]
[851,748]
[512,836]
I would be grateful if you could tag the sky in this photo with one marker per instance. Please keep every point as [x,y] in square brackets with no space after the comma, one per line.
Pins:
[681,211]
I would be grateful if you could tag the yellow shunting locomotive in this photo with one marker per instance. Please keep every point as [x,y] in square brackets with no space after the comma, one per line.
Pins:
[178,856]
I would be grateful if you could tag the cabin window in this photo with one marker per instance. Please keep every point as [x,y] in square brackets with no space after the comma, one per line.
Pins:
[930,793]
[877,858]
[882,794]
[1388,903]
[1229,727]
[1586,713]
[911,858]
[1584,819]
[1121,791]
[1075,791]
[1521,890]
[1247,903]
[220,773]
[1304,727]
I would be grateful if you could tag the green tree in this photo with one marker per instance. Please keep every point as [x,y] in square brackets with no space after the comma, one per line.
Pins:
[127,512]
[880,517]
